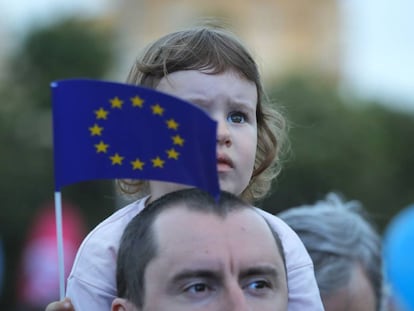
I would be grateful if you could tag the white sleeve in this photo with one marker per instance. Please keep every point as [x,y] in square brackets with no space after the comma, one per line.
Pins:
[87,297]
[92,282]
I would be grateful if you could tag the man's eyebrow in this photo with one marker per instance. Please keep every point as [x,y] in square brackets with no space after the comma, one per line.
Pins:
[267,270]
[195,273]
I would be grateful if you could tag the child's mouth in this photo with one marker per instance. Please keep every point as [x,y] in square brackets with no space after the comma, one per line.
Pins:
[224,163]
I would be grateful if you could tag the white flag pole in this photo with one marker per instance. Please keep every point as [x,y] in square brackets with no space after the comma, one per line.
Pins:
[59,236]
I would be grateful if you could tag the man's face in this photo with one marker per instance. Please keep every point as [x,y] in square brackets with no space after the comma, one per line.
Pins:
[357,295]
[205,262]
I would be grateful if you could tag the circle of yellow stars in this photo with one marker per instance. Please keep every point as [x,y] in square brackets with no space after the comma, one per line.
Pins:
[96,130]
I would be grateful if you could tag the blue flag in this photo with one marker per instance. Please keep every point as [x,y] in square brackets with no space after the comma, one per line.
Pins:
[106,130]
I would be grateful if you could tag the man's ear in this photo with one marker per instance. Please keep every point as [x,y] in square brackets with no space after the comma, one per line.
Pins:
[122,304]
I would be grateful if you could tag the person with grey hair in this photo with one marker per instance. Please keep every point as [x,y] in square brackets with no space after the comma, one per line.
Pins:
[346,252]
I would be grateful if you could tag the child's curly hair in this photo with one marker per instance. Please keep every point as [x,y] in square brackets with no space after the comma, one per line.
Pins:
[214,50]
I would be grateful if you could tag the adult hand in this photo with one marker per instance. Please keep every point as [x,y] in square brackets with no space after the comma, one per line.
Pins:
[63,305]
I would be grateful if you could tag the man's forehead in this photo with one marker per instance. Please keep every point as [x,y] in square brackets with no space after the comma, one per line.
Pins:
[182,233]
[183,209]
[180,220]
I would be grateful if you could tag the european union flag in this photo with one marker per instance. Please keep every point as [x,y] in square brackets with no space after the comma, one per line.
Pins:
[106,130]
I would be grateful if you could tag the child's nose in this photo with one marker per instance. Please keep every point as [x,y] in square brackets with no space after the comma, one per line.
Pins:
[223,134]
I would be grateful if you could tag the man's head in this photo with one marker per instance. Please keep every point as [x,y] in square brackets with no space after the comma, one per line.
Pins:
[345,250]
[187,252]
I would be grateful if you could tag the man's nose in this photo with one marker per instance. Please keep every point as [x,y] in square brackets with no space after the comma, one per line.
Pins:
[235,299]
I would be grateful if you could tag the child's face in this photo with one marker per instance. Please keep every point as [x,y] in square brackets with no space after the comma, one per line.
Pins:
[231,101]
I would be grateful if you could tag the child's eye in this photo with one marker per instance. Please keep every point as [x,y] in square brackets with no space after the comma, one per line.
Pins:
[237,117]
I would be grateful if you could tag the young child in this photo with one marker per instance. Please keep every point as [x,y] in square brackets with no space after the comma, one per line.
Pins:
[213,70]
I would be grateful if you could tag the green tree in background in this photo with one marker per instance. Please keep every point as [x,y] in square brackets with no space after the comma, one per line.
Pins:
[361,150]
[71,48]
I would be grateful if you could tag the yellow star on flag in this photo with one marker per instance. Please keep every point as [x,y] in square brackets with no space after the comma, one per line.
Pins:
[101,147]
[157,109]
[173,154]
[101,113]
[137,101]
[96,130]
[116,102]
[157,162]
[137,165]
[116,159]
[178,140]
[171,124]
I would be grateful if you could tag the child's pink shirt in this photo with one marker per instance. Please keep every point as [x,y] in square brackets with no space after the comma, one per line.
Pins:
[92,281]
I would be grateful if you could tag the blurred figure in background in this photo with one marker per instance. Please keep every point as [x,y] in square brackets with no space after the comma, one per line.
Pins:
[399,259]
[346,252]
[38,279]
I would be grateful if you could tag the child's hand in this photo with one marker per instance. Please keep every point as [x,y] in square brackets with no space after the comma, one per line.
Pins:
[64,305]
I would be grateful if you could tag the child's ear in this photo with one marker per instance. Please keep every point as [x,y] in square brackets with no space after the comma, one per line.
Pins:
[122,304]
